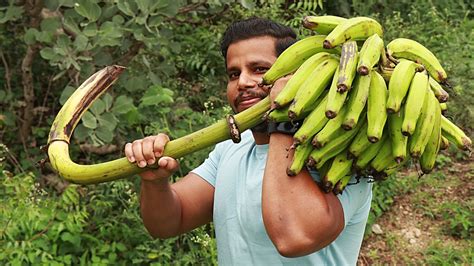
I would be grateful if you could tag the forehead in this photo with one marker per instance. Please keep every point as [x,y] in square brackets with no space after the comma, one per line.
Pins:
[257,48]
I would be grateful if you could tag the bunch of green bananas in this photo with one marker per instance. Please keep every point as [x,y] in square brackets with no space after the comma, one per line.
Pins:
[366,111]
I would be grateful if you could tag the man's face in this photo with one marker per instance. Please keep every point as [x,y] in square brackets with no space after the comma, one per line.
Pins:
[247,61]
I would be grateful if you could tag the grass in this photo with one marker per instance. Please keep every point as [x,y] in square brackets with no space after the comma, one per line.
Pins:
[439,205]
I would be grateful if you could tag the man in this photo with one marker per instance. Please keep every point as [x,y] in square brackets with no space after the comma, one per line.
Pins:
[261,215]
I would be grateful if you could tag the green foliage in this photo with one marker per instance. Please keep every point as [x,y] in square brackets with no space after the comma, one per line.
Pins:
[439,253]
[83,225]
[174,83]
[459,218]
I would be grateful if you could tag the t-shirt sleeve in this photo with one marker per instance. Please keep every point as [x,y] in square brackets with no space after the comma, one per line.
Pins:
[355,201]
[208,169]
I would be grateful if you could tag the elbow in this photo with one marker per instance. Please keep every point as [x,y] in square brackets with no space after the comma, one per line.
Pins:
[158,233]
[300,242]
[161,235]
[292,248]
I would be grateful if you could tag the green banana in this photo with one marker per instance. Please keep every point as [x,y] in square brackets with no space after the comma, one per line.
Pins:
[339,143]
[410,49]
[370,54]
[347,66]
[438,90]
[340,167]
[428,158]
[368,154]
[376,114]
[384,158]
[399,83]
[294,56]
[414,102]
[357,100]
[322,24]
[399,141]
[420,137]
[331,128]
[444,107]
[358,28]
[287,94]
[360,143]
[341,184]
[454,134]
[299,159]
[281,115]
[313,87]
[444,142]
[335,99]
[312,124]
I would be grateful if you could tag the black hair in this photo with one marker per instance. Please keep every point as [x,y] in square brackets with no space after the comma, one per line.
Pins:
[257,27]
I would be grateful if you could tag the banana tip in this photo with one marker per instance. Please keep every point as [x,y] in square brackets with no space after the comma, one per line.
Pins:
[341,88]
[391,110]
[327,44]
[373,139]
[363,70]
[290,172]
[330,114]
[327,186]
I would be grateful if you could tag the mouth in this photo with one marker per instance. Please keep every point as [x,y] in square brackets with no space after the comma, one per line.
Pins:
[247,102]
[248,99]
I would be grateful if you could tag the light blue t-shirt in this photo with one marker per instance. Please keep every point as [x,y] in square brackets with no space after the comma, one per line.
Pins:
[236,172]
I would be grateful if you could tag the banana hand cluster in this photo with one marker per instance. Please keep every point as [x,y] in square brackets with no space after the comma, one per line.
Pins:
[367,108]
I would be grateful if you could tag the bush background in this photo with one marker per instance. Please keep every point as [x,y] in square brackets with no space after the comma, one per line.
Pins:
[174,83]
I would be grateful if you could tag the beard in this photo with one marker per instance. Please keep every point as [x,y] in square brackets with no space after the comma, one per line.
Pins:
[256,93]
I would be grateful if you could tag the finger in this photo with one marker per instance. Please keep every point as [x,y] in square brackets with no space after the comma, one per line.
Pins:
[159,144]
[168,164]
[129,152]
[138,153]
[147,149]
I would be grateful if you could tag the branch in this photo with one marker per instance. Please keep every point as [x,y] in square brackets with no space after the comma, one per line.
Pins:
[125,59]
[33,8]
[8,74]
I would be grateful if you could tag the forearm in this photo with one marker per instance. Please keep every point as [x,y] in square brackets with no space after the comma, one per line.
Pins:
[160,208]
[296,212]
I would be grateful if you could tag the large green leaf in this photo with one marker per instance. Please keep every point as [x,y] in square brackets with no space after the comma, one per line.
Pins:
[122,105]
[81,132]
[107,120]
[13,13]
[48,53]
[30,36]
[51,24]
[128,7]
[68,91]
[98,107]
[108,100]
[88,9]
[81,42]
[89,120]
[104,133]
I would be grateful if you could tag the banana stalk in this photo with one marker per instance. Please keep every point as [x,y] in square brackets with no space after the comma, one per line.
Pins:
[72,111]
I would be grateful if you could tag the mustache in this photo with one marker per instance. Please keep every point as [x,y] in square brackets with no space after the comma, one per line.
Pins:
[254,93]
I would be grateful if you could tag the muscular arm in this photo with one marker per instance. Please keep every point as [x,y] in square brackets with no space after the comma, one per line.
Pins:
[298,216]
[172,209]
[168,209]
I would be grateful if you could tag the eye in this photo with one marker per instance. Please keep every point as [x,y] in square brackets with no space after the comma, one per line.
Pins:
[261,69]
[233,75]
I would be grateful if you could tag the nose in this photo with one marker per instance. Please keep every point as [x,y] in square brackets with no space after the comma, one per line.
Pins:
[246,81]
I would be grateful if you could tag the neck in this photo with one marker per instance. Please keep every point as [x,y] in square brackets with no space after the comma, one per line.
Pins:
[261,137]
